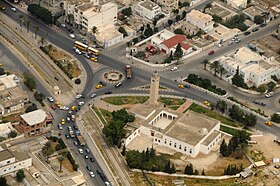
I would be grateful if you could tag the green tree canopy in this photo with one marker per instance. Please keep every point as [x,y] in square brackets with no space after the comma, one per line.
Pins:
[3,181]
[179,31]
[127,11]
[258,19]
[47,150]
[189,169]
[123,31]
[178,52]
[29,81]
[275,117]
[40,12]
[20,175]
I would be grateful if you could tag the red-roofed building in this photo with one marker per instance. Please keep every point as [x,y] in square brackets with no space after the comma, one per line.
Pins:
[170,44]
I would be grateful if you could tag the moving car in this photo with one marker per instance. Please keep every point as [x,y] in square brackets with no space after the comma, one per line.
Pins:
[118,84]
[206,103]
[77,51]
[91,174]
[211,52]
[50,99]
[174,68]
[269,94]
[62,121]
[78,96]
[263,25]
[181,86]
[63,25]
[84,41]
[93,59]
[57,104]
[86,55]
[93,95]
[81,103]
[13,9]
[108,92]
[98,86]
[268,123]
[72,36]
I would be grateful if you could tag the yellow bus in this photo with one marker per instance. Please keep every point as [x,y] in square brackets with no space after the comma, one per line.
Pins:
[93,51]
[80,46]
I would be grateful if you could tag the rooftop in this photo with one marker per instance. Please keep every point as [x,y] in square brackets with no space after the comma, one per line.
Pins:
[175,40]
[149,5]
[5,127]
[191,127]
[199,16]
[34,117]
[210,138]
[18,154]
[253,11]
[238,2]
[245,55]
[107,32]
[5,154]
[9,80]
[77,2]
[12,96]
[85,6]
[97,9]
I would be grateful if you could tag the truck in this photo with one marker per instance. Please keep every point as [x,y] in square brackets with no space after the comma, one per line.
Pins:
[128,71]
[81,140]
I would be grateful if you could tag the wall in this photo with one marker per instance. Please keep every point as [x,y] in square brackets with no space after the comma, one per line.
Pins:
[132,136]
[16,166]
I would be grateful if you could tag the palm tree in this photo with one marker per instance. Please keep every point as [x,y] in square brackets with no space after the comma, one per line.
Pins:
[36,30]
[50,47]
[42,41]
[21,20]
[47,150]
[215,66]
[60,159]
[94,32]
[205,62]
[222,71]
[28,24]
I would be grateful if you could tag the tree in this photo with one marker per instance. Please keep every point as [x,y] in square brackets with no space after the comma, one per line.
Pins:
[236,21]
[42,41]
[217,18]
[135,40]
[20,175]
[238,79]
[189,169]
[203,173]
[178,17]
[155,29]
[3,181]
[29,81]
[155,21]
[250,120]
[123,31]
[196,172]
[221,105]
[175,11]
[148,32]
[185,4]
[127,11]
[215,66]
[94,31]
[167,167]
[21,20]
[221,71]
[170,22]
[236,113]
[178,52]
[60,159]
[13,134]
[36,31]
[184,13]
[205,63]
[179,31]
[224,149]
[47,150]
[40,12]
[31,108]
[123,151]
[258,19]
[275,117]
[39,96]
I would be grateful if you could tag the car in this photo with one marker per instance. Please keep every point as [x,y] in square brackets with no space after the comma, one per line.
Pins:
[84,41]
[93,95]
[65,108]
[86,156]
[2,7]
[77,51]
[87,150]
[206,103]
[78,96]
[53,106]
[219,45]
[268,123]
[67,136]
[70,30]
[259,103]
[187,86]
[211,52]
[88,168]
[174,68]
[72,36]
[98,86]
[69,128]
[93,59]
[62,120]
[98,172]
[181,86]
[50,99]
[269,94]
[57,104]
[63,25]
[91,174]
[237,40]
[75,143]
[86,55]
[81,103]
[74,108]
[255,29]
[247,33]
[59,126]
[277,166]
[92,55]
[107,183]
[118,84]
[69,113]
[108,92]
[13,9]
[230,42]
[68,119]
[91,159]
[81,151]
[263,25]
[102,83]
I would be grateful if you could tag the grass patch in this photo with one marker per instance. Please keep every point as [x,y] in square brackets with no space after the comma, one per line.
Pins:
[257,155]
[107,115]
[212,114]
[174,107]
[67,165]
[171,101]
[99,115]
[122,100]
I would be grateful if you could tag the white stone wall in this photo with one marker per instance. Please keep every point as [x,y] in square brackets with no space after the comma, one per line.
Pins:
[206,149]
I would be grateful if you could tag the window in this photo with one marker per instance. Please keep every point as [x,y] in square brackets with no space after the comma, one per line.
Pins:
[190,151]
[175,145]
[170,143]
[155,139]
[159,141]
[185,149]
[180,147]
[165,142]
[8,161]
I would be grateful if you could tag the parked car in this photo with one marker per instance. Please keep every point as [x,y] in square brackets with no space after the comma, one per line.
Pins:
[108,92]
[259,103]
[67,136]
[269,94]
[91,174]
[84,41]
[102,83]
[86,55]
[13,9]
[81,103]
[98,86]
[206,103]
[91,159]
[268,123]
[77,51]
[72,36]
[81,151]
[75,143]
[263,25]
[181,86]
[174,68]
[63,25]
[86,156]
[78,96]
[70,30]
[59,126]
[87,150]
[93,95]
[88,168]
[247,33]
[50,99]
[255,29]
[211,52]
[53,106]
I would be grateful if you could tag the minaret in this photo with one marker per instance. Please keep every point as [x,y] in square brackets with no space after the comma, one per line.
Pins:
[154,88]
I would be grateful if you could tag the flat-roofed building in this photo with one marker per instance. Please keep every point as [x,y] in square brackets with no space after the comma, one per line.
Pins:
[12,100]
[147,9]
[5,129]
[33,122]
[168,5]
[238,4]
[8,81]
[253,11]
[13,160]
[69,5]
[108,36]
[200,20]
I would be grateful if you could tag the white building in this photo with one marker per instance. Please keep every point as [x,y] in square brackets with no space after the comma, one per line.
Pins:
[189,133]
[108,36]
[13,160]
[255,69]
[5,129]
[253,11]
[168,5]
[8,81]
[238,4]
[147,9]
[200,20]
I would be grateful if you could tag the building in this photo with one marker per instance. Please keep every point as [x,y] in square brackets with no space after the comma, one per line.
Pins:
[8,81]
[13,160]
[238,4]
[33,122]
[170,44]
[200,20]
[70,5]
[5,129]
[12,100]
[147,9]
[255,68]
[88,14]
[125,2]
[168,5]
[253,11]
[108,36]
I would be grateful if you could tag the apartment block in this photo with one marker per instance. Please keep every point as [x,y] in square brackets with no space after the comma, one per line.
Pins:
[238,4]
[200,20]
[168,5]
[147,9]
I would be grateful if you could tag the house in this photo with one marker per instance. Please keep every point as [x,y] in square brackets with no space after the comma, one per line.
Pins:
[200,20]
[108,36]
[13,160]
[88,13]
[170,44]
[12,100]
[255,69]
[238,4]
[33,122]
[147,9]
[253,11]
[5,129]
[168,5]
[8,81]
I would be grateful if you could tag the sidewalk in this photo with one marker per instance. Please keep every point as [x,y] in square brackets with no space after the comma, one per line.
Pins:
[98,102]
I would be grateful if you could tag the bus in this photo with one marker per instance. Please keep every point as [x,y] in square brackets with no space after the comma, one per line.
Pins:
[80,46]
[93,51]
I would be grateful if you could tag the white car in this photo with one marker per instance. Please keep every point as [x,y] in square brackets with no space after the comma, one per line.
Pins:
[78,96]
[78,51]
[269,94]
[59,126]
[174,68]
[63,25]
[66,108]
[91,174]
[72,36]
[13,9]
[81,103]
[93,95]
[81,151]
[50,99]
